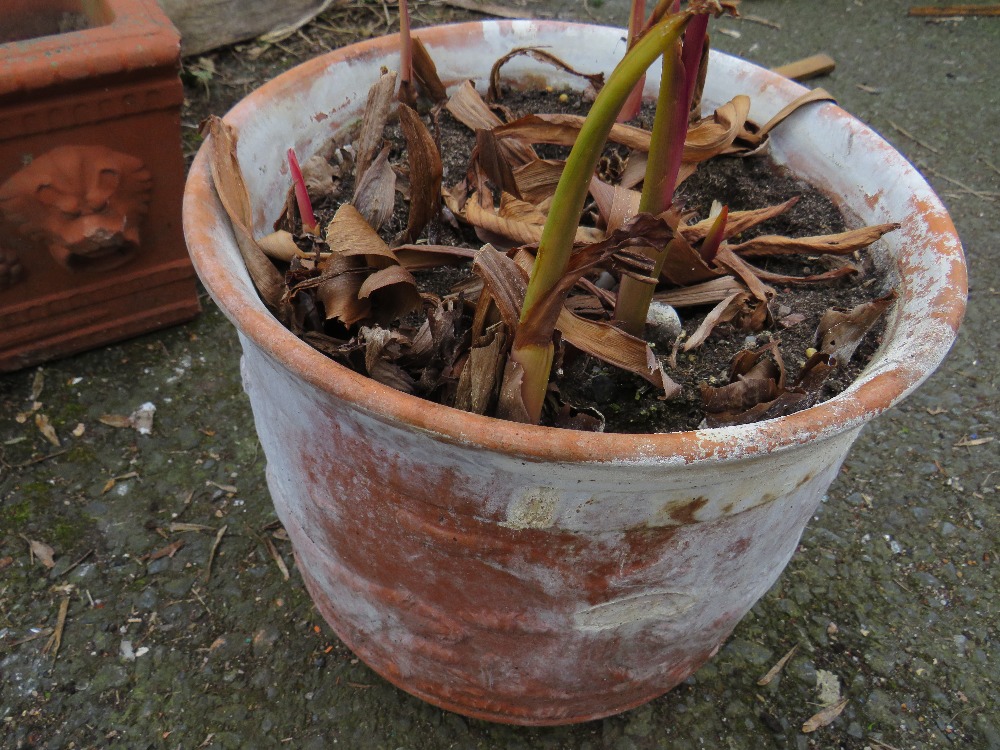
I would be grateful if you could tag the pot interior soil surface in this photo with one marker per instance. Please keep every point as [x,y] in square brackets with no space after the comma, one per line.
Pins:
[610,399]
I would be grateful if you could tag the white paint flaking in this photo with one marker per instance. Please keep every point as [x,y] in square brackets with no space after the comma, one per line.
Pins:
[535,509]
[619,613]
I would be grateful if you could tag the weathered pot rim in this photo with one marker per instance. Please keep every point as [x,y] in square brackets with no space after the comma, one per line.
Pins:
[876,390]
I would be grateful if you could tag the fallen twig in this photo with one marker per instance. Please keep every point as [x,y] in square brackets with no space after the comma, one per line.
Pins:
[34,637]
[953,11]
[913,138]
[808,67]
[487,9]
[211,553]
[761,21]
[72,567]
[55,641]
[978,193]
[39,459]
[276,556]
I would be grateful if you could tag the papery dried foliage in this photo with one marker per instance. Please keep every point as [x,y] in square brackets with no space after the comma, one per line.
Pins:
[480,378]
[383,348]
[840,331]
[841,243]
[355,280]
[757,389]
[232,190]
[375,191]
[361,279]
[596,80]
[426,73]
[378,108]
[425,174]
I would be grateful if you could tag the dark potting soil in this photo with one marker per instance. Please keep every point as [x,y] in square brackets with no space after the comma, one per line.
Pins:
[628,403]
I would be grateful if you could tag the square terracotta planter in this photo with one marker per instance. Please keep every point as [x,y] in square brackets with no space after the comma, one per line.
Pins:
[91,177]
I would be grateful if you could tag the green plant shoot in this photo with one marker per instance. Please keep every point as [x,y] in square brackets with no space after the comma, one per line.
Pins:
[532,351]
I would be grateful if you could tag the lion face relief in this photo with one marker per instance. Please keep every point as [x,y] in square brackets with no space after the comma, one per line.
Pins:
[84,203]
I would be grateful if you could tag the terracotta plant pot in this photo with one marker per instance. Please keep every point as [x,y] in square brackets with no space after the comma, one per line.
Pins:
[527,574]
[91,176]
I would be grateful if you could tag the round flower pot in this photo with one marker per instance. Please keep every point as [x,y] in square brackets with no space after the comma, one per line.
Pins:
[527,574]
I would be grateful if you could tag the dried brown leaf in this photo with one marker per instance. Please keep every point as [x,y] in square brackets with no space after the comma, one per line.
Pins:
[468,107]
[704,293]
[228,178]
[616,347]
[723,312]
[562,130]
[684,266]
[393,293]
[426,73]
[730,261]
[377,110]
[846,269]
[825,717]
[37,384]
[814,95]
[842,243]
[375,191]
[477,386]
[115,420]
[339,295]
[169,551]
[737,222]
[713,135]
[537,180]
[382,349]
[349,235]
[776,669]
[318,175]
[280,245]
[504,280]
[494,161]
[596,80]
[421,257]
[41,551]
[48,431]
[840,332]
[425,174]
[615,204]
[514,229]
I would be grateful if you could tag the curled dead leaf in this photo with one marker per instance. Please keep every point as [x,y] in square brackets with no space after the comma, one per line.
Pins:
[425,174]
[41,552]
[840,332]
[48,431]
[596,80]
[825,717]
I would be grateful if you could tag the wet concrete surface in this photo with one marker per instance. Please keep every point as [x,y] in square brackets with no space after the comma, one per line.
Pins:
[179,634]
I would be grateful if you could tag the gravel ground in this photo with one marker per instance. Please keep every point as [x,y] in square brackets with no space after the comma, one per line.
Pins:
[185,636]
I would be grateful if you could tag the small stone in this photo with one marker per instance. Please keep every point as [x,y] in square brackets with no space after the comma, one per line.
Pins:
[663,322]
[948,529]
[126,652]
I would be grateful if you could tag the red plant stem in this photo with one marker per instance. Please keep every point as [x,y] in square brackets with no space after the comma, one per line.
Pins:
[713,239]
[694,46]
[405,47]
[636,19]
[302,195]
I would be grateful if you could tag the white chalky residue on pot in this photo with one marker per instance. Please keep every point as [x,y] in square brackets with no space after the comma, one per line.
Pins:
[535,509]
[653,605]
